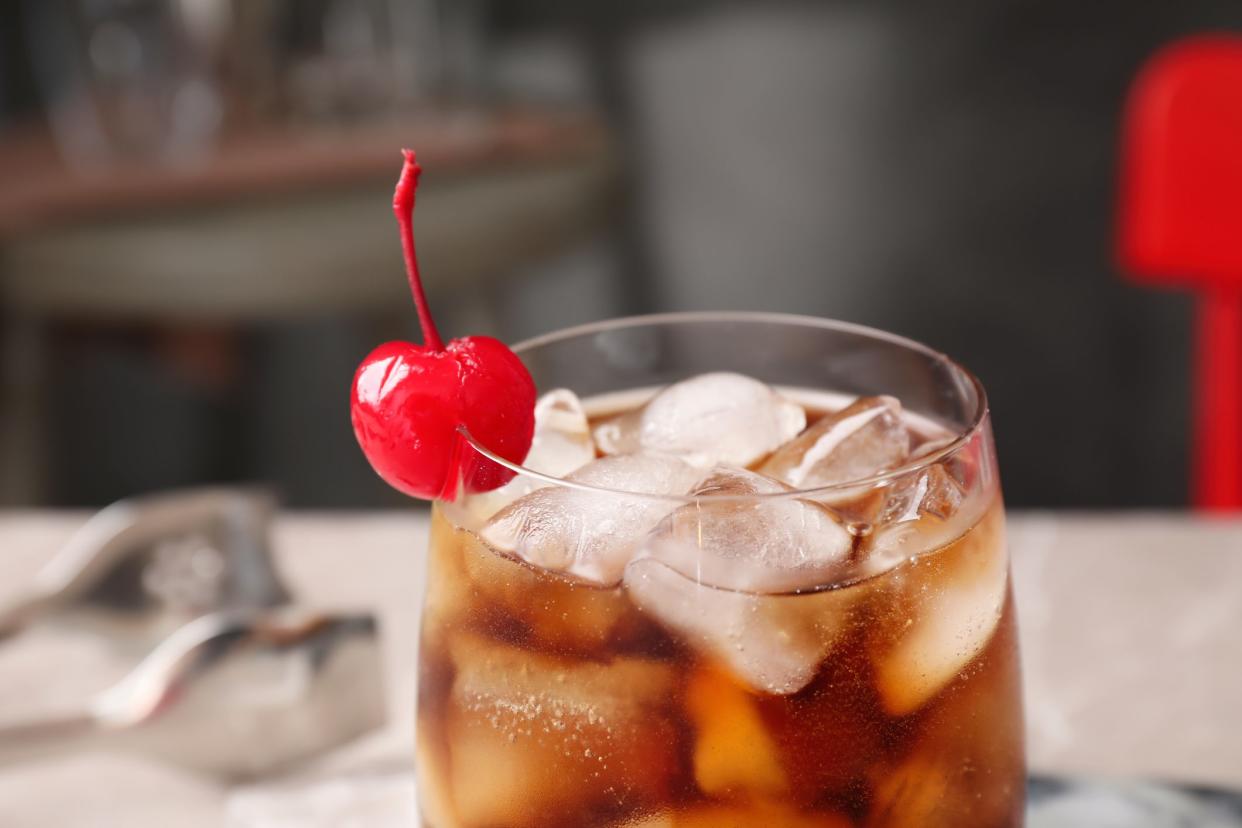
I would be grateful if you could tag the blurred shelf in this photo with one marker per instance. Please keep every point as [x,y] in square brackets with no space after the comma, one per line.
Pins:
[276,227]
[40,189]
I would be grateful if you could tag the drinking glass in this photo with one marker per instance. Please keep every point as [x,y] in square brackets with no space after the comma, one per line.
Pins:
[610,650]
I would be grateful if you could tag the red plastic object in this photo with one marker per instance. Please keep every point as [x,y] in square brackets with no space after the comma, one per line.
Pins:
[1181,225]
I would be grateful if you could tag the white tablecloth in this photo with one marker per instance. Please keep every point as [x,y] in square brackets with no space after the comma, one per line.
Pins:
[1131,635]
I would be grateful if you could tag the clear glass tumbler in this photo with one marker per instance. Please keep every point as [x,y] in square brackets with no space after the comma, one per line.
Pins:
[665,638]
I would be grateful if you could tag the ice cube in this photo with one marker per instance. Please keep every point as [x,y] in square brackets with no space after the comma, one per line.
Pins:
[739,537]
[554,612]
[940,613]
[867,437]
[915,792]
[562,444]
[713,572]
[534,736]
[925,791]
[705,420]
[932,493]
[592,534]
[917,517]
[733,752]
[773,644]
[562,441]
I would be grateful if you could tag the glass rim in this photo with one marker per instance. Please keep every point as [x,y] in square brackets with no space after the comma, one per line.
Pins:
[961,437]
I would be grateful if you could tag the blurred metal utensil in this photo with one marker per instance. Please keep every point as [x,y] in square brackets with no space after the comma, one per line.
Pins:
[234,694]
[142,568]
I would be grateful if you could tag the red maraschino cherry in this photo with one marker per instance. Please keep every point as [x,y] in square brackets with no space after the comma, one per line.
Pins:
[408,401]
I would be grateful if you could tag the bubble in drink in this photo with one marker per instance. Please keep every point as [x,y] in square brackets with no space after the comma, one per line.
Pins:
[743,815]
[588,533]
[707,420]
[535,735]
[857,442]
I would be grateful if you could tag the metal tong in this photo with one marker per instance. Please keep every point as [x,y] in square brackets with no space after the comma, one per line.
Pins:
[235,694]
[232,685]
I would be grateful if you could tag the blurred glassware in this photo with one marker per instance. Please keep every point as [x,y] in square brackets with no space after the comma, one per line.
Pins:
[129,78]
[350,60]
[463,56]
[165,80]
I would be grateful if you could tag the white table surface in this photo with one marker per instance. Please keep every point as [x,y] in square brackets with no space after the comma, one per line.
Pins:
[1131,635]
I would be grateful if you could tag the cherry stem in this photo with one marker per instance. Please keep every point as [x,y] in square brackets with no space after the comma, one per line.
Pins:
[403,206]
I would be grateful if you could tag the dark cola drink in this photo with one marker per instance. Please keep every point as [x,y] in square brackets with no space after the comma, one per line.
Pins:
[797,613]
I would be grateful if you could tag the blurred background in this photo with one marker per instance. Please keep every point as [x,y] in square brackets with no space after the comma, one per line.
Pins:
[197,245]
